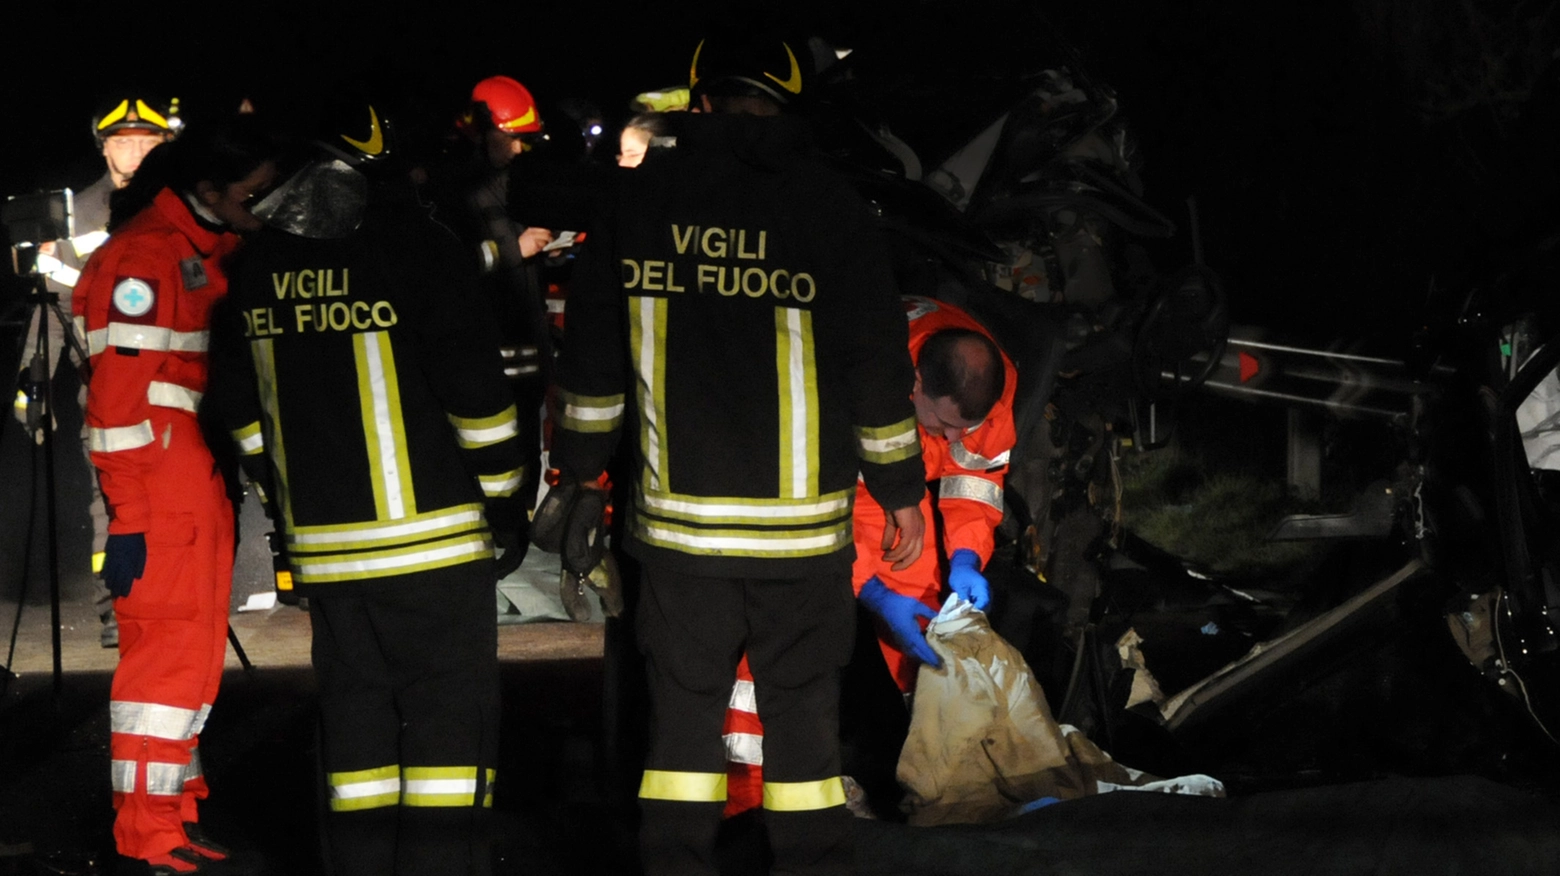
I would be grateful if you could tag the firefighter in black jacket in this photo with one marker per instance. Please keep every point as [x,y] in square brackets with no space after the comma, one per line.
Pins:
[739,314]
[387,430]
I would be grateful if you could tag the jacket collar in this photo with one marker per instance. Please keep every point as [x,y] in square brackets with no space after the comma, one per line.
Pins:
[206,240]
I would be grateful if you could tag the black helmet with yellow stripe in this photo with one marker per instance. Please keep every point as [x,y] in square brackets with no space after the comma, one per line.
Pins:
[746,65]
[137,113]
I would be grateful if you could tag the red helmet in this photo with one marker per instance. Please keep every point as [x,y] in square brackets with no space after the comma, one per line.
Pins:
[509,104]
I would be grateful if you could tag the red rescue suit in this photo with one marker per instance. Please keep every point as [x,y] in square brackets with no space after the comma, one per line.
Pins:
[143,303]
[969,494]
[970,475]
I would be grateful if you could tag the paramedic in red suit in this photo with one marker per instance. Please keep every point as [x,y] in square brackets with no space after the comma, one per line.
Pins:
[965,410]
[143,303]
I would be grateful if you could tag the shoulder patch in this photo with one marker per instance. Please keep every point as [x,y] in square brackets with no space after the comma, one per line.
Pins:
[193,271]
[134,296]
[917,307]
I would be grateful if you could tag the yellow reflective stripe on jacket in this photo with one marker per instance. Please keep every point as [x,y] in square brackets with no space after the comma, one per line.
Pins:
[117,438]
[973,488]
[744,510]
[683,787]
[379,394]
[886,444]
[591,413]
[496,485]
[151,719]
[487,789]
[439,786]
[798,396]
[313,569]
[365,789]
[647,344]
[265,372]
[172,395]
[803,796]
[249,439]
[474,432]
[384,533]
[743,542]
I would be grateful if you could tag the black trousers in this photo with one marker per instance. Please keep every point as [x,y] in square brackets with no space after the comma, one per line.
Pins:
[408,684]
[798,635]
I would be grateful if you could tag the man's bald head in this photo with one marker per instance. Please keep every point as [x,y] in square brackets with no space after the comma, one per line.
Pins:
[965,367]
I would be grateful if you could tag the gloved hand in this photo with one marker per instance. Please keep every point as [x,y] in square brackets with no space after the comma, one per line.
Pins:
[900,613]
[585,533]
[124,559]
[965,579]
[512,546]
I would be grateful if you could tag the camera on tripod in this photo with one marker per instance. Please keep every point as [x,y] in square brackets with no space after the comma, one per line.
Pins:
[34,221]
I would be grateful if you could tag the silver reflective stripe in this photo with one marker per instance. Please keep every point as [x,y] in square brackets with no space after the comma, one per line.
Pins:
[715,510]
[199,723]
[605,413]
[474,547]
[121,437]
[745,748]
[372,788]
[192,769]
[145,337]
[885,445]
[972,488]
[501,484]
[172,395]
[472,438]
[748,544]
[151,719]
[974,461]
[84,244]
[469,516]
[742,698]
[121,774]
[166,779]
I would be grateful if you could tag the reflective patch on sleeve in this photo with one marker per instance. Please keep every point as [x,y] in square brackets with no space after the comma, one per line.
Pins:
[591,413]
[121,775]
[172,395]
[499,485]
[249,440]
[971,488]
[745,748]
[888,444]
[974,461]
[165,779]
[474,432]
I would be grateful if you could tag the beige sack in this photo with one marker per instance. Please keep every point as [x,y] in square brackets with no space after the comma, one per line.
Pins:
[982,740]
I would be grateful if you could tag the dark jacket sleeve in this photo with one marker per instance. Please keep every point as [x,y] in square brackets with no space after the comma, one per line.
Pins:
[460,359]
[234,396]
[592,371]
[879,370]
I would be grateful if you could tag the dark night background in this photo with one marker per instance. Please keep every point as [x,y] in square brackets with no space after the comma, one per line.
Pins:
[1345,154]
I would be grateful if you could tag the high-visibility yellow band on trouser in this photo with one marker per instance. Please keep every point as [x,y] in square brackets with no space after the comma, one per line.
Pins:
[444,786]
[804,796]
[365,789]
[683,787]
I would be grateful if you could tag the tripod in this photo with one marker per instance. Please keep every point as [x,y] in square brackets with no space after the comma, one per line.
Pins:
[41,303]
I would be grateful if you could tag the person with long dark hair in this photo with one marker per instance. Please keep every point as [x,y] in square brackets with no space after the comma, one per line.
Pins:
[143,303]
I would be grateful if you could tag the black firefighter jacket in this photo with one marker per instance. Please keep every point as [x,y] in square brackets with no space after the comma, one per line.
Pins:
[361,376]
[737,313]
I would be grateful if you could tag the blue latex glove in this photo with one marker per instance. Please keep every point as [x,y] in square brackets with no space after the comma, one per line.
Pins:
[124,559]
[900,613]
[965,579]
